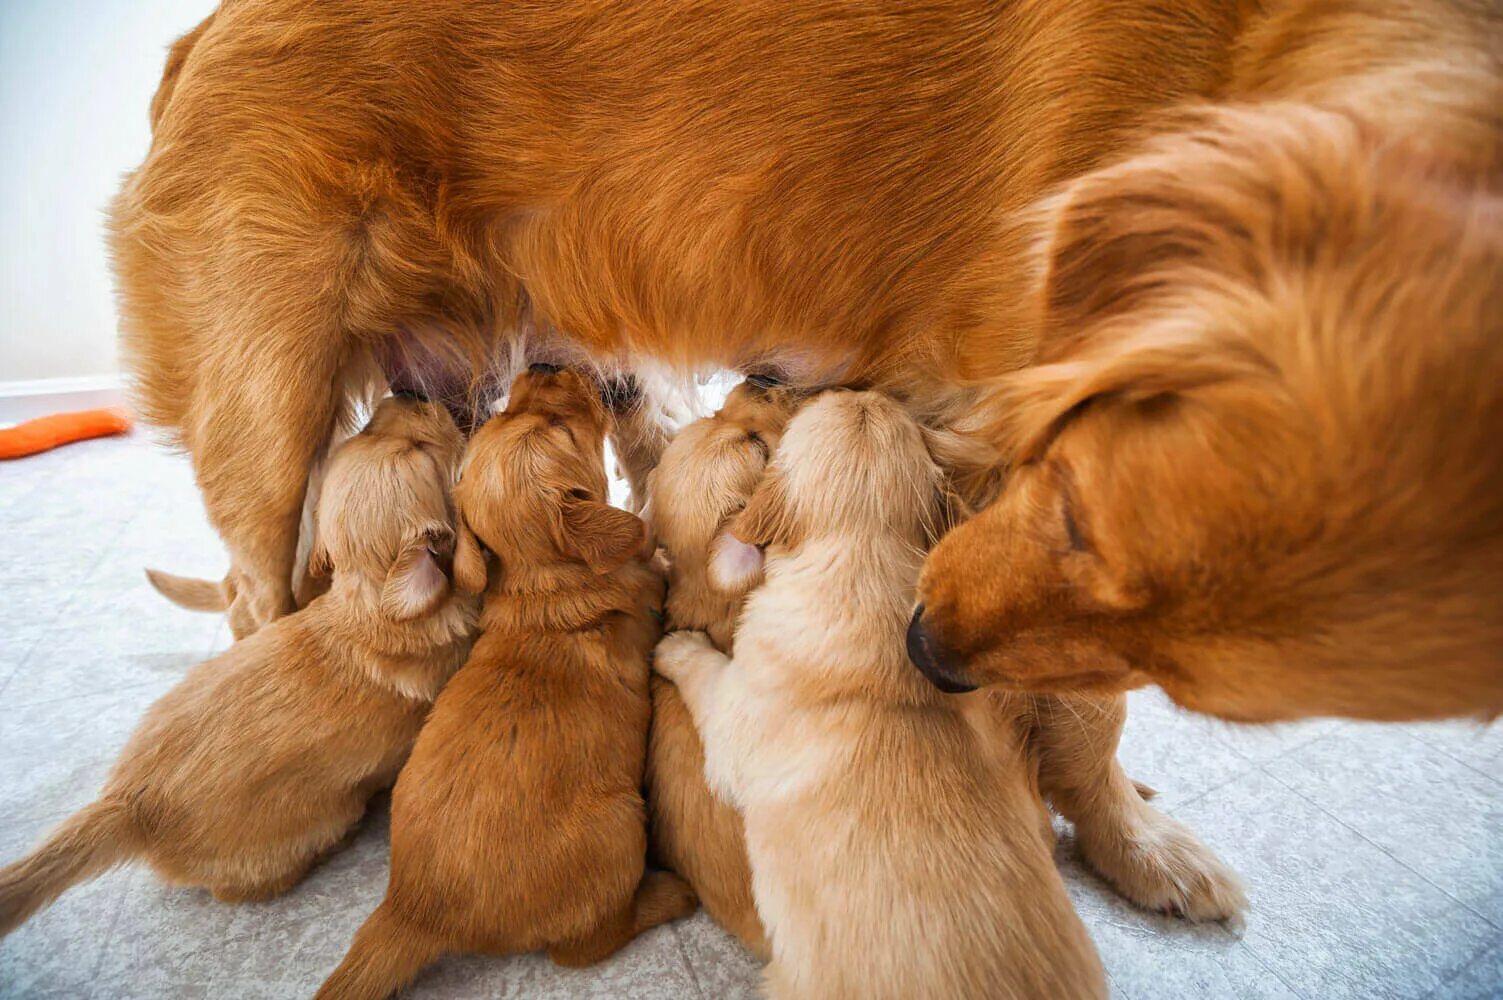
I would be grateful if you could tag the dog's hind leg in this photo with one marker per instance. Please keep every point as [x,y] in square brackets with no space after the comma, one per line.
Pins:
[265,405]
[1154,860]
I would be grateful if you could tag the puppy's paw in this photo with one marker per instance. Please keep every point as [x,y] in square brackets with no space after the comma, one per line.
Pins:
[678,654]
[1159,864]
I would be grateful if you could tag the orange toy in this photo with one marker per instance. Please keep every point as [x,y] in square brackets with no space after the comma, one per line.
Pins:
[45,433]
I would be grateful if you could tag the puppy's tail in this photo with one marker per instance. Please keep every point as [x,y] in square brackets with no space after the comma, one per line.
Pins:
[385,956]
[90,841]
[193,594]
[661,897]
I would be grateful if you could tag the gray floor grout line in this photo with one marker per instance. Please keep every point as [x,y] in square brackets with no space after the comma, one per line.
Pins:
[1250,768]
[1447,753]
[109,937]
[683,956]
[1384,851]
[16,670]
[1242,943]
[1254,764]
[1465,968]
[98,693]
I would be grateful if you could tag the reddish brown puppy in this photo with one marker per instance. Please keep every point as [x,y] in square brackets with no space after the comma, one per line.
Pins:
[518,823]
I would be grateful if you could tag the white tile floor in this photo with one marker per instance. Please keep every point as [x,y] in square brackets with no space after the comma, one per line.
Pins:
[1373,854]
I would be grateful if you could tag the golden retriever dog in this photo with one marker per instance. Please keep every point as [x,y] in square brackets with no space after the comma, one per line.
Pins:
[263,758]
[1268,519]
[1153,203]
[706,475]
[893,854]
[518,823]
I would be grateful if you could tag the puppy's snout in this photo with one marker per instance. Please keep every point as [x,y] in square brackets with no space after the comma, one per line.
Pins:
[543,368]
[933,661]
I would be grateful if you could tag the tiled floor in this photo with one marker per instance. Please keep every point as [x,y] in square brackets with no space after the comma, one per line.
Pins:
[1373,854]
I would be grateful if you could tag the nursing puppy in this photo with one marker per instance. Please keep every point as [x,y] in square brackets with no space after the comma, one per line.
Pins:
[705,477]
[263,758]
[518,824]
[893,853]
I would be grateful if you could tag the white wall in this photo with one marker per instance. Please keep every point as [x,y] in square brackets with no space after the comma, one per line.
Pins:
[76,79]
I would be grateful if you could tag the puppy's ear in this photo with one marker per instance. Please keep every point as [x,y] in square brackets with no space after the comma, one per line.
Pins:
[734,565]
[416,582]
[605,537]
[470,573]
[765,520]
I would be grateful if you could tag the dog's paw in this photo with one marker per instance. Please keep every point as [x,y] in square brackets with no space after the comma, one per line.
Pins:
[1159,864]
[677,653]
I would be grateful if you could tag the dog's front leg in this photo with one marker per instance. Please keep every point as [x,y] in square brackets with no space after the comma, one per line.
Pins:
[1151,858]
[695,666]
[700,672]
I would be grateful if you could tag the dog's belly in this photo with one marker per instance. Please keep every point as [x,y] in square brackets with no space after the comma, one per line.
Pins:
[429,361]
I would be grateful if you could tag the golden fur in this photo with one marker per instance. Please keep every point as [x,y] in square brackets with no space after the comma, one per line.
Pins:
[1269,519]
[706,475]
[262,759]
[518,823]
[896,851]
[338,194]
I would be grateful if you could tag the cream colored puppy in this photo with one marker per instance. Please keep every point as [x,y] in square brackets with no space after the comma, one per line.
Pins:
[894,852]
[705,477]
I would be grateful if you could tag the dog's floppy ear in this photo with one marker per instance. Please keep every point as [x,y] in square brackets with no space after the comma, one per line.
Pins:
[1113,244]
[470,573]
[734,565]
[605,537]
[416,582]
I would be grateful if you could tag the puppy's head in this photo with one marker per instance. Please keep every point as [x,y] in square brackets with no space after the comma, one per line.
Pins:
[707,473]
[851,466]
[1258,464]
[385,515]
[533,489]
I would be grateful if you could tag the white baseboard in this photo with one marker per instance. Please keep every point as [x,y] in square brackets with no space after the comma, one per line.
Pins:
[38,397]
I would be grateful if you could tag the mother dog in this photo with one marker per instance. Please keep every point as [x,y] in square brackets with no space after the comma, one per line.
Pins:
[1251,248]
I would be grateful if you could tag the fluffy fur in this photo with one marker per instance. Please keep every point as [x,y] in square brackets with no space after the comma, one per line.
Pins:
[263,758]
[706,475]
[893,853]
[341,193]
[518,823]
[1270,519]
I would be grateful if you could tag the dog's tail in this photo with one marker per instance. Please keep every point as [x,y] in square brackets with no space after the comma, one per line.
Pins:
[660,897]
[95,838]
[386,954]
[193,594]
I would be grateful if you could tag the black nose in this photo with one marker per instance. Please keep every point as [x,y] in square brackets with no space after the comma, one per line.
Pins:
[933,662]
[542,368]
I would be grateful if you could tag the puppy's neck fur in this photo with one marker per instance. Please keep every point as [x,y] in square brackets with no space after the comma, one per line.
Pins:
[412,658]
[865,597]
[559,597]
